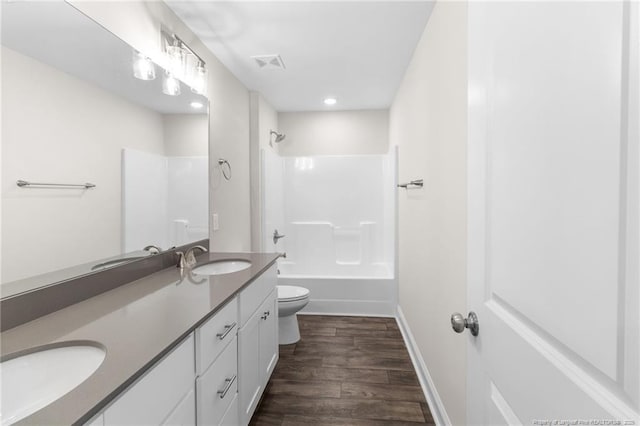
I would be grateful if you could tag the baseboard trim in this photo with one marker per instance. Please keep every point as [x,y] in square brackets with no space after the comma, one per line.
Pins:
[436,406]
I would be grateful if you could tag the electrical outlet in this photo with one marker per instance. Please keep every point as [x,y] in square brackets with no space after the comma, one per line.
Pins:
[216,223]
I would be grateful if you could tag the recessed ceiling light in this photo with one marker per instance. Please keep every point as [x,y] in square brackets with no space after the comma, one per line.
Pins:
[196,105]
[330,101]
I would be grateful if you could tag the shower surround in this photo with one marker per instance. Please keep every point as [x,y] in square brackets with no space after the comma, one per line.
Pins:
[164,200]
[338,217]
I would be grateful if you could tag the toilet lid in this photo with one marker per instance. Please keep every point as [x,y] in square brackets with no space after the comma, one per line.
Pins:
[290,292]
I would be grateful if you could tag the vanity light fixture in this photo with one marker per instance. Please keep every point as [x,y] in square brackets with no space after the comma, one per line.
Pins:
[199,84]
[143,67]
[196,105]
[330,101]
[183,63]
[176,59]
[170,85]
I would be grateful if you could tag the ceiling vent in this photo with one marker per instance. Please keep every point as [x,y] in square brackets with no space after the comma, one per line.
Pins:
[269,62]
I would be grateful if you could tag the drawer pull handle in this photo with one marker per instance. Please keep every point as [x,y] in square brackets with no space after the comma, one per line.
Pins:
[228,382]
[227,330]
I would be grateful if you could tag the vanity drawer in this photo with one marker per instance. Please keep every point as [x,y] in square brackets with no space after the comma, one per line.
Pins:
[214,335]
[152,398]
[218,387]
[252,296]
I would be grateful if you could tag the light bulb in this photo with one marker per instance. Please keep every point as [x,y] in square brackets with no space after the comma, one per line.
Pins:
[330,101]
[170,85]
[143,67]
[199,84]
[176,60]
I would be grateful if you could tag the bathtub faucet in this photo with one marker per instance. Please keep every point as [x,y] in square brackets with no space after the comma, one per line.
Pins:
[277,236]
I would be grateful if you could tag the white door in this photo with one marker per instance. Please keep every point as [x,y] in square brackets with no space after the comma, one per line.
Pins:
[553,213]
[272,182]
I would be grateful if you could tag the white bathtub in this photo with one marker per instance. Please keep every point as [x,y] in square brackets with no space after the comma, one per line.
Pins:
[337,213]
[346,290]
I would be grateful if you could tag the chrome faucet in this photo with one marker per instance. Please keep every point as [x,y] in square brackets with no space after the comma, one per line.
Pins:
[152,249]
[277,236]
[188,259]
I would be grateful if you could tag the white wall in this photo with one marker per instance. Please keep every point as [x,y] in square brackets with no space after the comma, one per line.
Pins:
[263,119]
[1,178]
[267,120]
[39,101]
[428,122]
[334,133]
[138,23]
[186,135]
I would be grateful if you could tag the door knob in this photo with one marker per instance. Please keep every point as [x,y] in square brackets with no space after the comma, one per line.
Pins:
[276,236]
[459,323]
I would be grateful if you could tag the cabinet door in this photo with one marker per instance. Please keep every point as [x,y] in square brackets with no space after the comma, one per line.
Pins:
[155,395]
[268,337]
[249,370]
[185,413]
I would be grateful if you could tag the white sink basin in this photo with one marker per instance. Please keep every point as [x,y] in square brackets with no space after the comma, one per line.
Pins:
[220,267]
[33,381]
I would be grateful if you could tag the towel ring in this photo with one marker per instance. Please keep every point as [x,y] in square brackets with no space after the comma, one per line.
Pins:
[222,162]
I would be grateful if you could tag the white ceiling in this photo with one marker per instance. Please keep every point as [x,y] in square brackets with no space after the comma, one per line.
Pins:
[355,51]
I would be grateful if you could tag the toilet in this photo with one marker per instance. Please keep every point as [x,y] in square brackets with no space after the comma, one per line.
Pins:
[290,300]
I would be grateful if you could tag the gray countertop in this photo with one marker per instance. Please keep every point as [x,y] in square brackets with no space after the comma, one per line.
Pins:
[137,324]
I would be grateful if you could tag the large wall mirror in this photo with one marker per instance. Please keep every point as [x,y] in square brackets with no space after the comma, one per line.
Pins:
[73,112]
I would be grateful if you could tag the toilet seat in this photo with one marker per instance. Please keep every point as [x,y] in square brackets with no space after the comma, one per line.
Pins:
[290,293]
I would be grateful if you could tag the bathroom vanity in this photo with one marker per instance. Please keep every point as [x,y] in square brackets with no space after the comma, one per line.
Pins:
[181,348]
[91,266]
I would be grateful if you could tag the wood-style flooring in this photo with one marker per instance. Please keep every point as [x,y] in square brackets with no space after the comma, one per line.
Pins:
[344,371]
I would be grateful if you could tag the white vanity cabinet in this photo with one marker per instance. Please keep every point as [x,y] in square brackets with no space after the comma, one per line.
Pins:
[184,414]
[217,375]
[163,394]
[257,341]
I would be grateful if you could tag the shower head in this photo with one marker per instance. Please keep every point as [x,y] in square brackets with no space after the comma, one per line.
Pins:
[279,136]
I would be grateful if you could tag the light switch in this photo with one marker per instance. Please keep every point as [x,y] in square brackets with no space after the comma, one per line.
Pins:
[216,223]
